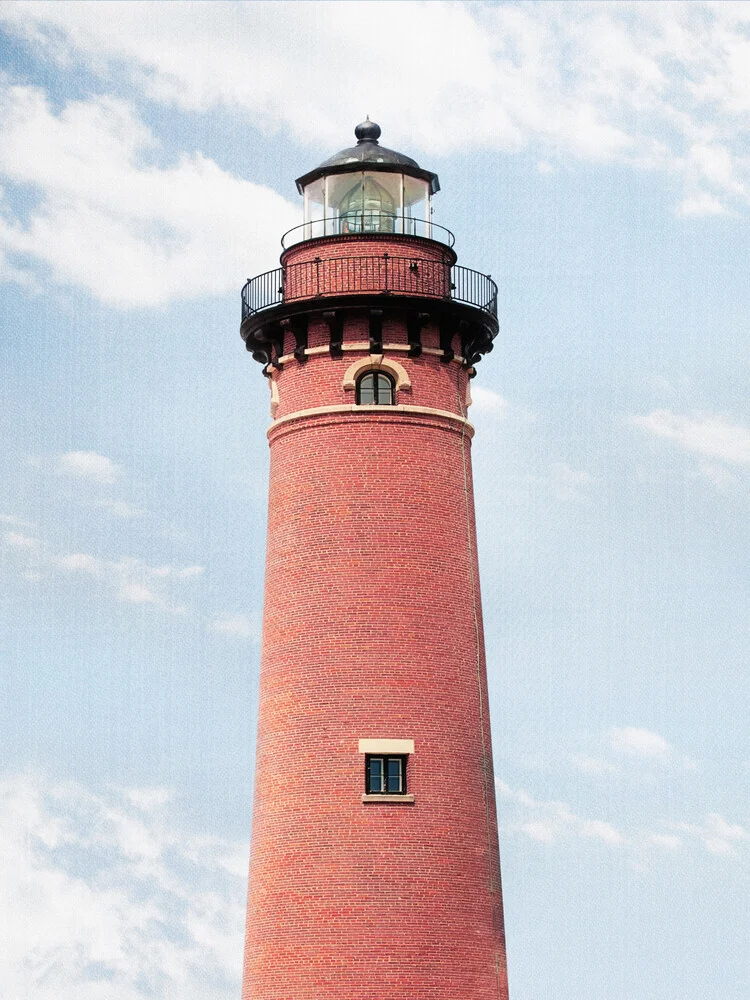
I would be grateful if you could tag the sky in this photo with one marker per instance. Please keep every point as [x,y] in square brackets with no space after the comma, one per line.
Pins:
[595,159]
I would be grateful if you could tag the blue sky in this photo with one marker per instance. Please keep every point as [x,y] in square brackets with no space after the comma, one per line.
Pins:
[594,158]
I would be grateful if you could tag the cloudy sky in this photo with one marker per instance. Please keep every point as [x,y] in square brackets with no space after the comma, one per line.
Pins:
[595,159]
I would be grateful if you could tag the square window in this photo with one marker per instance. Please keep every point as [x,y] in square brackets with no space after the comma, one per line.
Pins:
[385,775]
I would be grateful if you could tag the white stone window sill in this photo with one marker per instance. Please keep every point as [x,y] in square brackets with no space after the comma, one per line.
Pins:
[402,799]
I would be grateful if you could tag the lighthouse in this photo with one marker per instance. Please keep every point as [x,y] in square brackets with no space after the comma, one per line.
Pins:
[374,867]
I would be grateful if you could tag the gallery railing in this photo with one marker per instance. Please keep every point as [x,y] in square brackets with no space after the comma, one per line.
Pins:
[383,274]
[366,223]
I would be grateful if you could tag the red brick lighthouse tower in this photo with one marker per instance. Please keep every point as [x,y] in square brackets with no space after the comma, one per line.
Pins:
[374,871]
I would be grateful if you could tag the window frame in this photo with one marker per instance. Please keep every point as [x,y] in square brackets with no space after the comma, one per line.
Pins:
[385,758]
[376,374]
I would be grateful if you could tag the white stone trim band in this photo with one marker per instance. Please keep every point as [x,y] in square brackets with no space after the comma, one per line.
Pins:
[383,411]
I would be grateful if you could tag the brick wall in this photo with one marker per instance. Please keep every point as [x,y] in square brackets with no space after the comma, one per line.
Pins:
[372,628]
[318,381]
[358,264]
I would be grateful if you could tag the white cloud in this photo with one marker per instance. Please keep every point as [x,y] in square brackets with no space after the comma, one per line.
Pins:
[237,625]
[89,465]
[80,562]
[120,509]
[149,799]
[488,401]
[667,840]
[105,896]
[657,86]
[639,742]
[551,821]
[131,580]
[14,522]
[189,572]
[718,835]
[544,831]
[131,233]
[699,204]
[710,435]
[94,470]
[601,830]
[18,540]
[137,593]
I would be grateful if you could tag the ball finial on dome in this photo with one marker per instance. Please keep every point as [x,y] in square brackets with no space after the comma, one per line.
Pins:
[367,131]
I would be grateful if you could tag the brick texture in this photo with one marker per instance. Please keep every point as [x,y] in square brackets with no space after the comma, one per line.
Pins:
[319,381]
[358,264]
[372,629]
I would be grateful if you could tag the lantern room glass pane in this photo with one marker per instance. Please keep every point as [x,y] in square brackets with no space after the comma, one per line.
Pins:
[369,202]
[339,186]
[314,209]
[416,207]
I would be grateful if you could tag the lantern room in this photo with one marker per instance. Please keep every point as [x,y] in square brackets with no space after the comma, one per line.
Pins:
[368,247]
[367,189]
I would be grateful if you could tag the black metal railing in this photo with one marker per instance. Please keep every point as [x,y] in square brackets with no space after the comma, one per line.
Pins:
[365,224]
[262,292]
[382,274]
[474,288]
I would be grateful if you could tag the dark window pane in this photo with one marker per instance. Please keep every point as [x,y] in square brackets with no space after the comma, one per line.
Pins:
[366,391]
[384,390]
[394,778]
[375,775]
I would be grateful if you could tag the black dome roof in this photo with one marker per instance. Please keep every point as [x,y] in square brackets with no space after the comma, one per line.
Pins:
[368,153]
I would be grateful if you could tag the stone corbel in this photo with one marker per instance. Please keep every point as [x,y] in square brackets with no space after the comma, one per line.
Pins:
[414,323]
[376,331]
[335,322]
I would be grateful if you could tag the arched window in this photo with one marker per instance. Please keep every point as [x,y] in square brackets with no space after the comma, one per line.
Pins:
[375,388]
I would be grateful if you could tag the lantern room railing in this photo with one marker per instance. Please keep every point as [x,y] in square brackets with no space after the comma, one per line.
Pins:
[367,223]
[383,274]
